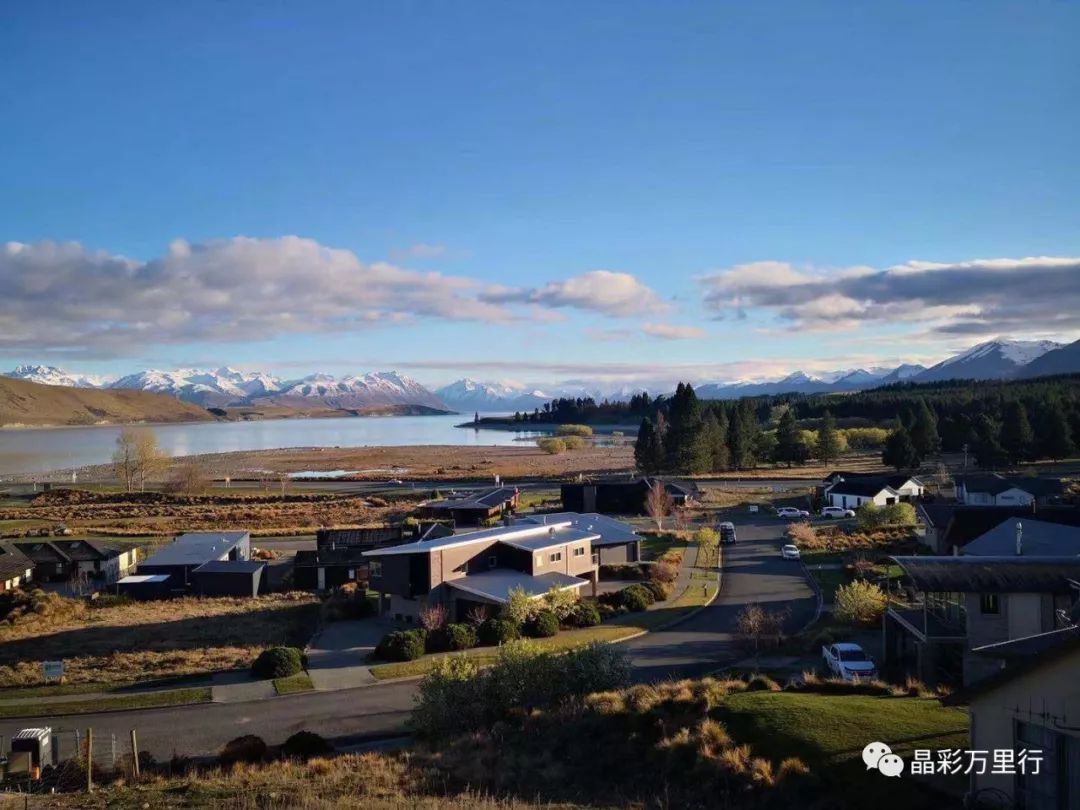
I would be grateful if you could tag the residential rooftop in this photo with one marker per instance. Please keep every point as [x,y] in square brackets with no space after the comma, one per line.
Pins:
[196,548]
[1038,539]
[505,534]
[496,585]
[971,574]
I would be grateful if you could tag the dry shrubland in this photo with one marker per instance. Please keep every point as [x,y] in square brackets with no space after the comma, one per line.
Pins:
[834,538]
[127,641]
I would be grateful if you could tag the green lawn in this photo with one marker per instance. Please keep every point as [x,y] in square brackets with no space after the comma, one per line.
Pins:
[653,545]
[141,700]
[829,732]
[300,682]
[829,579]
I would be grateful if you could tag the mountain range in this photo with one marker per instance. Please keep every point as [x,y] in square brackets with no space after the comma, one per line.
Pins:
[995,359]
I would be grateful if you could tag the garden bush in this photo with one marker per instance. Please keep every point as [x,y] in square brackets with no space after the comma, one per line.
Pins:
[451,638]
[606,611]
[585,614]
[278,662]
[762,683]
[402,645]
[636,598]
[552,446]
[247,748]
[859,602]
[621,571]
[498,631]
[660,590]
[543,625]
[305,745]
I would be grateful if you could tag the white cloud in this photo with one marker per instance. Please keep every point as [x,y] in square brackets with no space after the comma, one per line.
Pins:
[603,291]
[979,297]
[669,331]
[65,297]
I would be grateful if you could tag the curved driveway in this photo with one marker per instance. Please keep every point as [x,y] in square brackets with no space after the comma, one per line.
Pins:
[753,572]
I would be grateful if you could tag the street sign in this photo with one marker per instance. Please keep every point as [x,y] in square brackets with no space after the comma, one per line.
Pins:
[52,670]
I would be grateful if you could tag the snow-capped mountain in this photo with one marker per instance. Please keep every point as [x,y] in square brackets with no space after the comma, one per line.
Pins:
[994,359]
[51,375]
[1062,360]
[905,371]
[210,388]
[467,394]
[375,389]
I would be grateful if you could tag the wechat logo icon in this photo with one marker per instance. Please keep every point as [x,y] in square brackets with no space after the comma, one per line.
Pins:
[878,756]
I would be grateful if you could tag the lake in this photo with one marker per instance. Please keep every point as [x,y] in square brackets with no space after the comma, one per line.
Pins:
[42,449]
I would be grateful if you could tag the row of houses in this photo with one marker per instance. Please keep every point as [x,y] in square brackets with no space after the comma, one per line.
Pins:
[204,563]
[72,562]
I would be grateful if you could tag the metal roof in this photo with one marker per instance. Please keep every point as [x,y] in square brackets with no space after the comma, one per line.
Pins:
[1039,539]
[607,531]
[137,579]
[861,486]
[996,483]
[231,567]
[496,585]
[554,536]
[499,533]
[484,499]
[13,563]
[972,574]
[196,548]
[1020,648]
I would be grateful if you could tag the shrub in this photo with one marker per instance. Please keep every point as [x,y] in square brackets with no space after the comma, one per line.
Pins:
[544,625]
[762,683]
[551,446]
[822,639]
[802,534]
[573,442]
[859,602]
[452,638]
[517,607]
[278,662]
[606,611]
[247,748]
[434,617]
[561,602]
[585,614]
[499,631]
[574,430]
[402,645]
[660,590]
[621,571]
[305,745]
[663,571]
[706,537]
[636,598]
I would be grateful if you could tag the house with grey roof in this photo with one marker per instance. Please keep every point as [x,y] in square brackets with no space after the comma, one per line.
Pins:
[16,569]
[852,490]
[479,569]
[85,560]
[1026,537]
[994,489]
[473,509]
[191,551]
[616,542]
[952,605]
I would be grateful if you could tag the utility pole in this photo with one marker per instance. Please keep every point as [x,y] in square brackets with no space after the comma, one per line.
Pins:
[90,760]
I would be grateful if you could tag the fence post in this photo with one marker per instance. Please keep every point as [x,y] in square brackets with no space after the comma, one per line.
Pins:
[89,760]
[134,755]
[112,751]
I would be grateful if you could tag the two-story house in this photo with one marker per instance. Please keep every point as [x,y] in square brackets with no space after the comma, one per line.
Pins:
[852,490]
[955,604]
[481,568]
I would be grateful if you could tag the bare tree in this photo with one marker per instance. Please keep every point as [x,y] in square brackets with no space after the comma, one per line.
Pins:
[658,503]
[137,457]
[188,479]
[755,624]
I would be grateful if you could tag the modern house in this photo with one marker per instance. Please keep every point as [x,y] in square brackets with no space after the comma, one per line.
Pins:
[190,551]
[1028,538]
[1031,703]
[955,604]
[474,509]
[329,567]
[481,568]
[365,537]
[999,490]
[623,497]
[852,490]
[951,527]
[70,560]
[229,578]
[16,568]
[616,542]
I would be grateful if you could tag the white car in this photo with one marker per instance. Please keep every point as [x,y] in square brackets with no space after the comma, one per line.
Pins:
[848,661]
[837,512]
[791,512]
[790,552]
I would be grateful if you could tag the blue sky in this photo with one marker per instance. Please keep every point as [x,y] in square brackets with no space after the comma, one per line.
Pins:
[458,173]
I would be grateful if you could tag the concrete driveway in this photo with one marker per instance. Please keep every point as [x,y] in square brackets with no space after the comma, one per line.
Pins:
[338,655]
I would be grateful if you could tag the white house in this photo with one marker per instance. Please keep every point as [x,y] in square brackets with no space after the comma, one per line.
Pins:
[853,493]
[997,490]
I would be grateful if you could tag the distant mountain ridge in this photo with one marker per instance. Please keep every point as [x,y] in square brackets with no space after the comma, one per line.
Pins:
[467,394]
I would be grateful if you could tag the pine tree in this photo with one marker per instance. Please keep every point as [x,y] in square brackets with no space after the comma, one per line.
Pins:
[1055,439]
[989,454]
[828,444]
[743,431]
[648,452]
[715,436]
[789,443]
[924,431]
[1017,438]
[685,447]
[899,451]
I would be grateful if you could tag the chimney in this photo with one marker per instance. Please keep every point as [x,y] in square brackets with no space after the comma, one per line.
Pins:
[1019,538]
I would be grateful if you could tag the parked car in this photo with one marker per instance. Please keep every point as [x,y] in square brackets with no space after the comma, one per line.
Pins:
[790,552]
[837,512]
[727,533]
[791,512]
[848,661]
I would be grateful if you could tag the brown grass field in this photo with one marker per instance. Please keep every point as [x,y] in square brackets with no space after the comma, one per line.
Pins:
[138,641]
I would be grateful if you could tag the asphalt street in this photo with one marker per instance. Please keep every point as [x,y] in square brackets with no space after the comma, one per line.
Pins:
[753,572]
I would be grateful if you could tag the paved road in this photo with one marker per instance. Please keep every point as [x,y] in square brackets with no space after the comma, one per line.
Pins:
[753,572]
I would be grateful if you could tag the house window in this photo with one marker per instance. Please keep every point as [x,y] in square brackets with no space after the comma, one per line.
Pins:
[988,603]
[375,569]
[493,561]
[556,556]
[579,551]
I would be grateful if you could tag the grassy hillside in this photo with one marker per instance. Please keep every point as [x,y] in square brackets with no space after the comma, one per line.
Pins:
[27,403]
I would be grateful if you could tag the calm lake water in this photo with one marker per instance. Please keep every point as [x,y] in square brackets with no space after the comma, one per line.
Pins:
[43,449]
